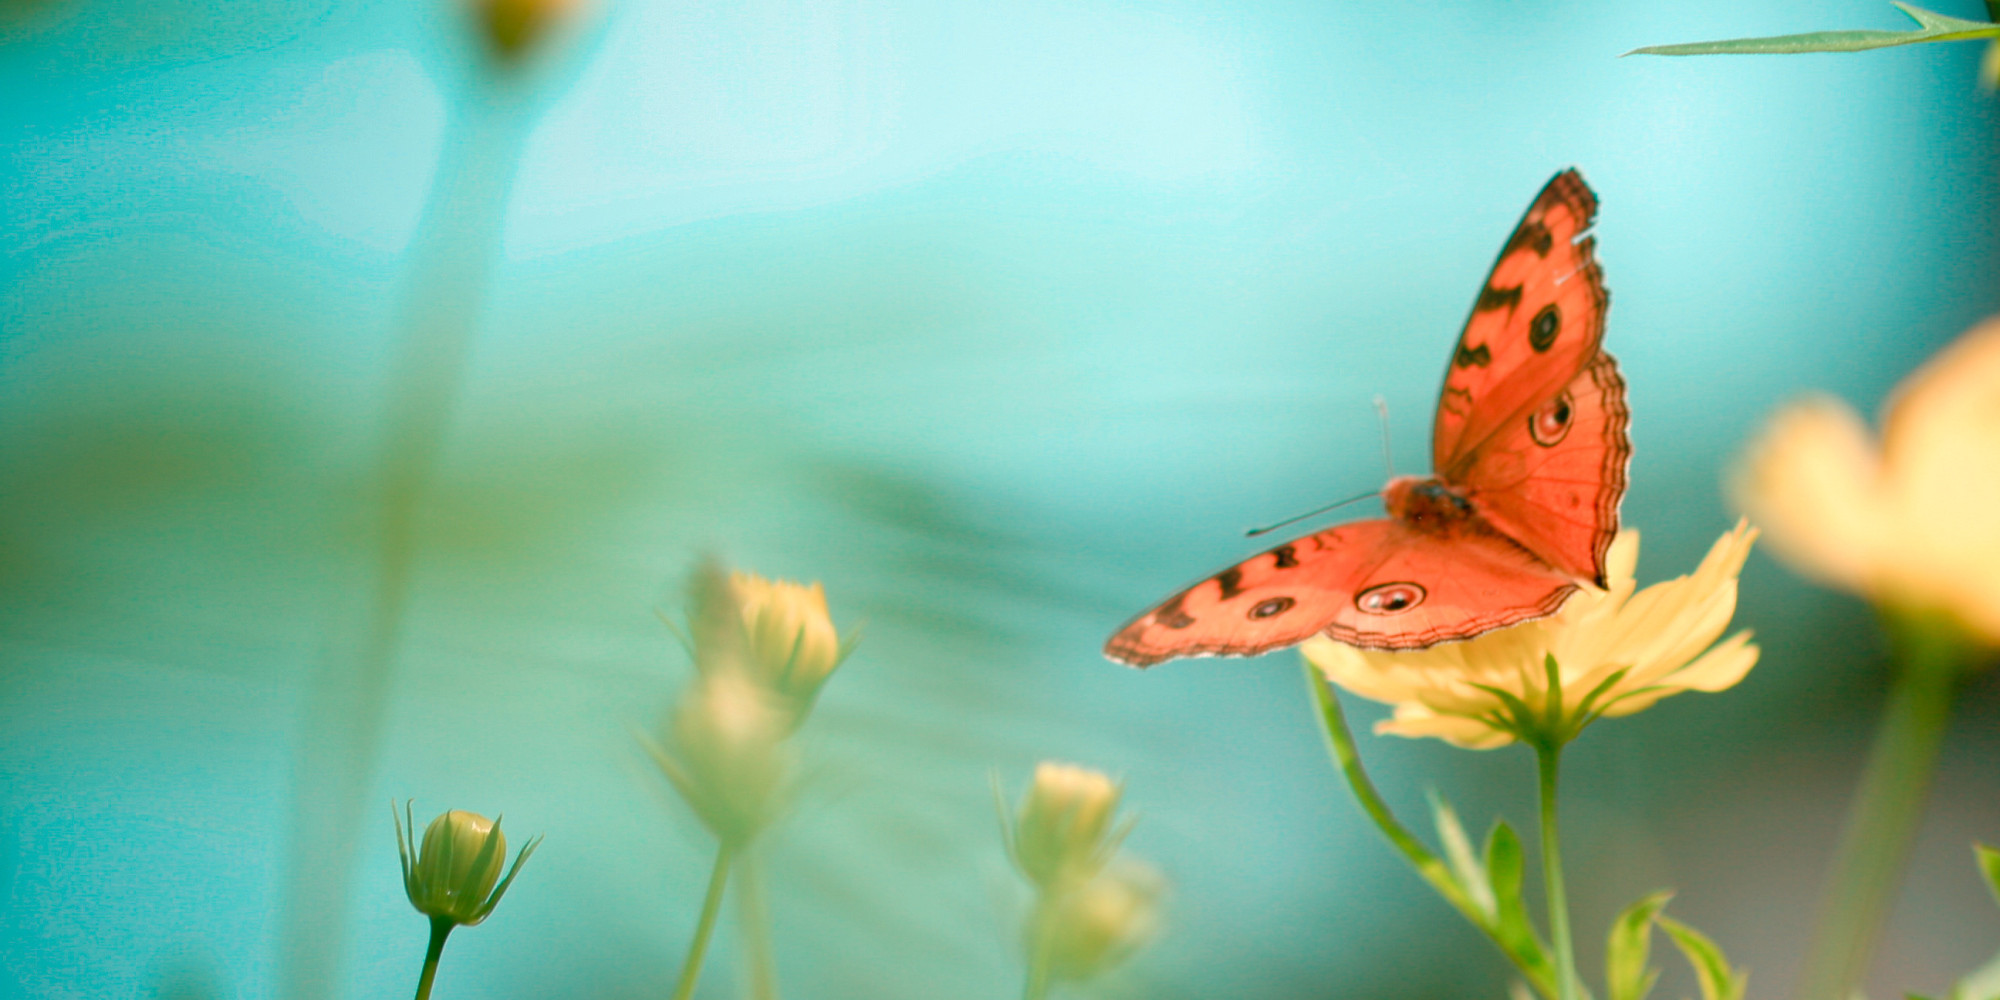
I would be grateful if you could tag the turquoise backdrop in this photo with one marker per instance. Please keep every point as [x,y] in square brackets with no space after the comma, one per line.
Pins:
[1003,320]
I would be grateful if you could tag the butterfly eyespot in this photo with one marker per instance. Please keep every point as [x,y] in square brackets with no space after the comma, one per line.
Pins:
[1542,331]
[1274,606]
[1390,598]
[1550,424]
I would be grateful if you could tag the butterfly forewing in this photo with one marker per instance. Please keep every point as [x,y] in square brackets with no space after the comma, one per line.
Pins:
[1537,321]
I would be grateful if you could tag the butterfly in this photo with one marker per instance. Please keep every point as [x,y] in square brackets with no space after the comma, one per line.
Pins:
[1530,453]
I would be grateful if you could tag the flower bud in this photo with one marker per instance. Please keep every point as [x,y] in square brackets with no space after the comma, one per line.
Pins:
[454,873]
[1101,922]
[725,755]
[1063,828]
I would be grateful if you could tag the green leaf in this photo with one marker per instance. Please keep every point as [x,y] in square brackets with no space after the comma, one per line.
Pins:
[1989,865]
[1980,984]
[1626,974]
[1513,931]
[1458,853]
[1933,27]
[1711,967]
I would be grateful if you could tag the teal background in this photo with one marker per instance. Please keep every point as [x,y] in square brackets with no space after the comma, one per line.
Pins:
[1002,320]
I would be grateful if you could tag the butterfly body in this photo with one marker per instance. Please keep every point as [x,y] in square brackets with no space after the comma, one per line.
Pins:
[1530,451]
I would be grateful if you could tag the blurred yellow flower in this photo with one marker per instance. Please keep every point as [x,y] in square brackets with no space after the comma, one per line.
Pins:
[1100,922]
[1910,523]
[1613,652]
[1062,831]
[725,754]
[451,877]
[515,25]
[791,643]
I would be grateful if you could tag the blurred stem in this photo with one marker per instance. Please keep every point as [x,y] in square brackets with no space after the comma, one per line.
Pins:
[1333,724]
[440,929]
[449,259]
[1931,655]
[1548,760]
[705,927]
[756,917]
[1041,946]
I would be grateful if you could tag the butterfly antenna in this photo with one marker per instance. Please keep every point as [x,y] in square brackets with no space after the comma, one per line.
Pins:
[1254,532]
[1382,411]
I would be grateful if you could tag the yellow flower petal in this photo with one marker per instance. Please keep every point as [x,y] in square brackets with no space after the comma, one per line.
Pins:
[1909,523]
[1655,642]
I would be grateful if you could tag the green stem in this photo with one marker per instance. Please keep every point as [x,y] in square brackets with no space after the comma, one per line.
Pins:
[705,928]
[1041,946]
[1875,842]
[440,929]
[1548,758]
[1333,724]
[756,919]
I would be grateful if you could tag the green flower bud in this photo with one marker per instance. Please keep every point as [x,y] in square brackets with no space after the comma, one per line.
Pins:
[1063,830]
[1099,923]
[724,753]
[453,874]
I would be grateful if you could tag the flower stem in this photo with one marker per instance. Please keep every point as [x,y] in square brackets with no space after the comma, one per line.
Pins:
[1932,655]
[705,928]
[1340,744]
[440,929]
[756,917]
[1548,759]
[1041,946]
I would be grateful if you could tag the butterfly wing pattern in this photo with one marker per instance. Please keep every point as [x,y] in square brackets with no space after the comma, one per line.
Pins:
[1536,322]
[1530,449]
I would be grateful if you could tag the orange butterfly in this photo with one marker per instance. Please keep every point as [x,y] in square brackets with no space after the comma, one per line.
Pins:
[1530,451]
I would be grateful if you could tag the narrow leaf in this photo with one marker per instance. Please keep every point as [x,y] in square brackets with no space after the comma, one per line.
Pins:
[1932,27]
[1512,929]
[1989,865]
[1711,968]
[1626,973]
[1458,853]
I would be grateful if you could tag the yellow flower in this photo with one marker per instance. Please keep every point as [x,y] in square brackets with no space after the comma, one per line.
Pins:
[791,643]
[1613,651]
[1910,523]
[452,876]
[725,755]
[1099,923]
[1062,830]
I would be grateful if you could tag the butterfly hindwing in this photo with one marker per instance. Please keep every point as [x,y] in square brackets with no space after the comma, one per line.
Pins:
[1537,321]
[1552,481]
[1429,587]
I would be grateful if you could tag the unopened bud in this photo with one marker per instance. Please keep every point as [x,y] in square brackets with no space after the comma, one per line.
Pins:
[453,874]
